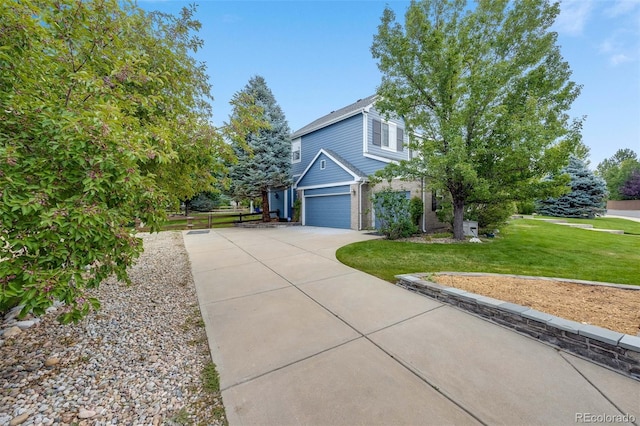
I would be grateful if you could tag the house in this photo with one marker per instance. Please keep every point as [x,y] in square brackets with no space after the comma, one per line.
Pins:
[332,158]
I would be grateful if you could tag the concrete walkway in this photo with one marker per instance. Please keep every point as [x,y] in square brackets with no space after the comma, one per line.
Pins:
[299,338]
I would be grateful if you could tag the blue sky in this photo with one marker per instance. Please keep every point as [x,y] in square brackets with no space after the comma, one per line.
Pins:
[315,57]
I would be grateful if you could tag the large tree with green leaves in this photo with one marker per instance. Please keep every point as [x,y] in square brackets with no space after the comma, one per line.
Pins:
[488,92]
[617,170]
[263,155]
[103,120]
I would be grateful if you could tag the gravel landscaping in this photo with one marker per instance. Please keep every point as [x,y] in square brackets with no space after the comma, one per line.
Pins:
[142,359]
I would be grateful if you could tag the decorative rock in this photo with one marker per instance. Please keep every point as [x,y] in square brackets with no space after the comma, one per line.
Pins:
[50,362]
[25,324]
[13,313]
[19,420]
[86,414]
[11,332]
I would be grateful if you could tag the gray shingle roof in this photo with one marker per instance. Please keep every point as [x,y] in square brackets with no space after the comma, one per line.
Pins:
[323,121]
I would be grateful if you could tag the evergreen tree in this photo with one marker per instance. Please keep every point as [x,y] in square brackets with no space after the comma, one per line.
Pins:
[586,198]
[264,155]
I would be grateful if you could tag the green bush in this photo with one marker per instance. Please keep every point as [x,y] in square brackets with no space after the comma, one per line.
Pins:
[416,208]
[297,209]
[526,207]
[490,216]
[392,211]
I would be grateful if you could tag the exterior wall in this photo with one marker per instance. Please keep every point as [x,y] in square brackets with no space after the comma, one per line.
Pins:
[623,205]
[430,222]
[332,173]
[379,151]
[355,217]
[345,138]
[338,137]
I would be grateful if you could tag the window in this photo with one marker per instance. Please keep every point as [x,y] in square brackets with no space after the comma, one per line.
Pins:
[400,139]
[388,136]
[377,132]
[323,164]
[296,151]
[385,135]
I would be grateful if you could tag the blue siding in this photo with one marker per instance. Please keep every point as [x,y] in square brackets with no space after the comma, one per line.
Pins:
[330,211]
[379,151]
[277,203]
[344,137]
[330,190]
[331,173]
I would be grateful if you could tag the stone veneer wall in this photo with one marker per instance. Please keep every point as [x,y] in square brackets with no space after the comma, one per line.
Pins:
[618,351]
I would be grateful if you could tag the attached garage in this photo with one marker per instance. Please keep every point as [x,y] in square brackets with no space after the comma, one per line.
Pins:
[329,207]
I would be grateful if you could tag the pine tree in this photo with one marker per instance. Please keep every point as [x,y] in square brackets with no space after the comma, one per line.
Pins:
[586,198]
[264,157]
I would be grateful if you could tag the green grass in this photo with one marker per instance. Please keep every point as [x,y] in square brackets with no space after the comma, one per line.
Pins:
[525,247]
[628,226]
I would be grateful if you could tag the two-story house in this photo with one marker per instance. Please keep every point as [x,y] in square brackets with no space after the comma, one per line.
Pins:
[332,158]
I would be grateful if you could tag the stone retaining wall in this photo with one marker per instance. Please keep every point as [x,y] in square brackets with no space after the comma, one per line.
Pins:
[615,350]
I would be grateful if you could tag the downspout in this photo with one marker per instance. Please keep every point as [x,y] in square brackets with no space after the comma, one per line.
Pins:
[424,213]
[362,182]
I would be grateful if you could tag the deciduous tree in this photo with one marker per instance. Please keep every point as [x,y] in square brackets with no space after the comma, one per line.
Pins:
[617,170]
[487,90]
[103,119]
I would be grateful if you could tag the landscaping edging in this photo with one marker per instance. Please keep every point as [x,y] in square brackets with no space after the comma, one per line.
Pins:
[618,351]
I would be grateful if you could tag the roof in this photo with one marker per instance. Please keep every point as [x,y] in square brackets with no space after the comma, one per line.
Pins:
[334,116]
[345,163]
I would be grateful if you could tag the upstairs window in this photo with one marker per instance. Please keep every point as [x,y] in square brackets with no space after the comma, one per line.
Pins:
[400,139]
[385,135]
[296,151]
[377,132]
[388,136]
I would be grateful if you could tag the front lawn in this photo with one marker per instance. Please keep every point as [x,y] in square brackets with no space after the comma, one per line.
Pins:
[525,247]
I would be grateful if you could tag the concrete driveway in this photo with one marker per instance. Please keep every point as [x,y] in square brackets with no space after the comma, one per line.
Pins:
[299,338]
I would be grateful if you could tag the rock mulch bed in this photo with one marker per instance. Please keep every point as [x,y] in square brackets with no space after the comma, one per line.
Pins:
[608,307]
[139,360]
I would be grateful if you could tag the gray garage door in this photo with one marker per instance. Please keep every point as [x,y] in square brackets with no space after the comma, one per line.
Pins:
[333,211]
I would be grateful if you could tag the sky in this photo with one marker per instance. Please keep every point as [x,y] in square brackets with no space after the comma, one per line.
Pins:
[315,57]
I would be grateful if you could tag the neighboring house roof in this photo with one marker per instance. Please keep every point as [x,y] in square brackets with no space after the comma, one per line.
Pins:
[335,116]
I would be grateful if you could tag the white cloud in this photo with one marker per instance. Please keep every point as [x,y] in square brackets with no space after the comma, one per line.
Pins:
[573,16]
[619,58]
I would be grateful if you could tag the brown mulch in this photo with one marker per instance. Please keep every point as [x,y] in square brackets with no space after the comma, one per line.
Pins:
[609,307]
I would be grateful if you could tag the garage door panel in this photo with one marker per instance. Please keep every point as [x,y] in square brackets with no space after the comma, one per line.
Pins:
[332,211]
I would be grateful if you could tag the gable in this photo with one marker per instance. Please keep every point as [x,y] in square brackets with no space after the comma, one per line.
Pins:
[328,168]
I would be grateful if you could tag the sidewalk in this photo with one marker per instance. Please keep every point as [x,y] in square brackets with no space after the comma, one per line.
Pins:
[299,338]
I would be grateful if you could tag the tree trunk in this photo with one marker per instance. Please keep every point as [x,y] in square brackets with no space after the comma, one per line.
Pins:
[186,207]
[265,207]
[458,217]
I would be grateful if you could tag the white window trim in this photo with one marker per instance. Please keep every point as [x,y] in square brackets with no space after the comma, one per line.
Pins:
[296,143]
[323,164]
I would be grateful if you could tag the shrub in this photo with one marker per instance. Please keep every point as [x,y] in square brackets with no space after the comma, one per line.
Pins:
[490,216]
[416,208]
[392,212]
[297,209]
